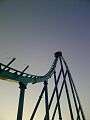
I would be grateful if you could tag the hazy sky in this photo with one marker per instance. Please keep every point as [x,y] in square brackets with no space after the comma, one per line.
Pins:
[32,31]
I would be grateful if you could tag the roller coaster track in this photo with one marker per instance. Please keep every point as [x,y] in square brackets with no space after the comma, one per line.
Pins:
[13,75]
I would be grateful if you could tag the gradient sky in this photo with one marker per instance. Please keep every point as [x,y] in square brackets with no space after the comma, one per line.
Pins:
[32,31]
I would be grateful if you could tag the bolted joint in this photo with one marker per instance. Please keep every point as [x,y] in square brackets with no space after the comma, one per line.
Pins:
[22,86]
[58,54]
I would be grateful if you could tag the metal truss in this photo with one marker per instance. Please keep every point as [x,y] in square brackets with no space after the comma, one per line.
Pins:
[11,74]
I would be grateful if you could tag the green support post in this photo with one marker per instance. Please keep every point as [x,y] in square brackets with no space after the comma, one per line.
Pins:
[21,101]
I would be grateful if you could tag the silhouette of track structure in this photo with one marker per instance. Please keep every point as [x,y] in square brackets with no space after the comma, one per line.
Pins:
[11,74]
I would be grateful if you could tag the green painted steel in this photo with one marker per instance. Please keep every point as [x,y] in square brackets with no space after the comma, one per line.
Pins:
[13,75]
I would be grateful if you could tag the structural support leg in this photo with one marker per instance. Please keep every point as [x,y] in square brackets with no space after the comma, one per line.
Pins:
[69,103]
[21,101]
[37,104]
[80,107]
[59,109]
[67,92]
[46,100]
[73,93]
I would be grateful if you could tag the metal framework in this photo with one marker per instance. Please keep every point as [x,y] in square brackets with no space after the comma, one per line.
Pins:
[11,74]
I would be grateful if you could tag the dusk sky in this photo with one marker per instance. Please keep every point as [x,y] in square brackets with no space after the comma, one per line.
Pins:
[32,31]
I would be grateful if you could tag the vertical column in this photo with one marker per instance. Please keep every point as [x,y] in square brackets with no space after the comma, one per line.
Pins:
[46,100]
[21,101]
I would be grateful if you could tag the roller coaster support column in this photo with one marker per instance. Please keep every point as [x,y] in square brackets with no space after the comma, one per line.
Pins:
[21,101]
[46,100]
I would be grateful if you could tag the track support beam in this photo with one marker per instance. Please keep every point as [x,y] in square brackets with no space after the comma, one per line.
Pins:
[21,101]
[46,100]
